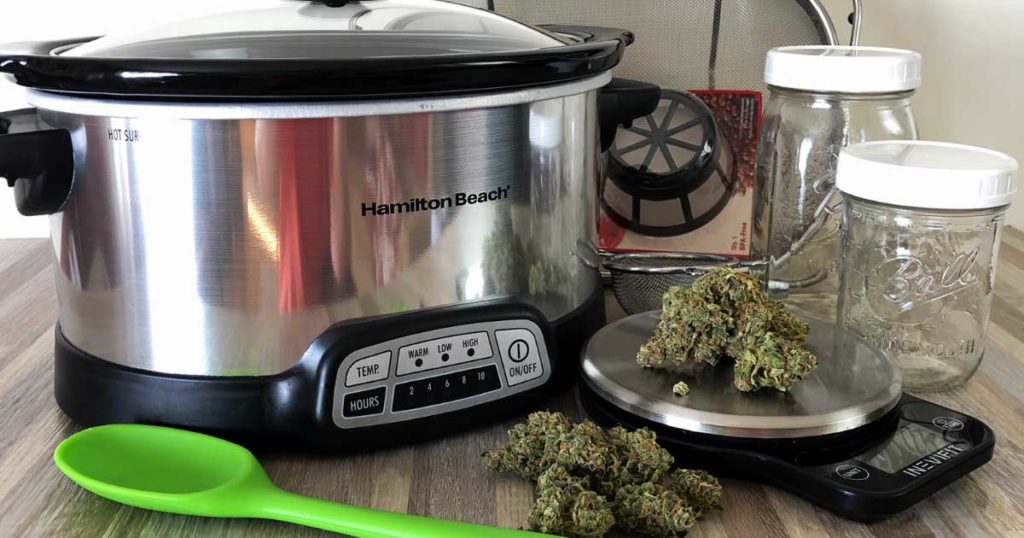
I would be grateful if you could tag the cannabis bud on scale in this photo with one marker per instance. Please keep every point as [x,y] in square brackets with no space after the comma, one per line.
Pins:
[725,313]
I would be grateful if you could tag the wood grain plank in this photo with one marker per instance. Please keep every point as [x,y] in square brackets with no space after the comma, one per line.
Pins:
[32,258]
[1013,236]
[802,519]
[25,313]
[393,480]
[750,511]
[450,482]
[513,497]
[16,250]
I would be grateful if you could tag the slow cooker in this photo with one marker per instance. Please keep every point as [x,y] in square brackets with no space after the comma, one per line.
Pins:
[351,223]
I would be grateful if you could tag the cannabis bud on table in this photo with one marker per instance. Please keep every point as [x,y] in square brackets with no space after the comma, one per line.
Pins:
[591,479]
[725,313]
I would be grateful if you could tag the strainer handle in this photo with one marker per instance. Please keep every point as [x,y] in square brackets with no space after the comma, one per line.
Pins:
[856,18]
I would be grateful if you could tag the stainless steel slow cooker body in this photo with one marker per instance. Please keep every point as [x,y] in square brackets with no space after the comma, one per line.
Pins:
[353,222]
[221,239]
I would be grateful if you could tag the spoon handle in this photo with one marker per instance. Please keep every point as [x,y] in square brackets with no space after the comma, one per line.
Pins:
[360,522]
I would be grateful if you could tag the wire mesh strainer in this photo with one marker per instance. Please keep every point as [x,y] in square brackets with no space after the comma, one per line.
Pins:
[640,280]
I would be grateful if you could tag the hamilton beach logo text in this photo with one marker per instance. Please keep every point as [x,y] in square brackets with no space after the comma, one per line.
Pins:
[415,205]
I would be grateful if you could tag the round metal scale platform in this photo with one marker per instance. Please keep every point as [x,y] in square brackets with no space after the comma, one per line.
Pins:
[845,438]
[853,386]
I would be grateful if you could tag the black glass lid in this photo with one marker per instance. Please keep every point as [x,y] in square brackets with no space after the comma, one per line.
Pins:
[335,48]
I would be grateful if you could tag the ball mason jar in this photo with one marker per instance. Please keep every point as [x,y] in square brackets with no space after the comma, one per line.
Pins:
[921,230]
[820,100]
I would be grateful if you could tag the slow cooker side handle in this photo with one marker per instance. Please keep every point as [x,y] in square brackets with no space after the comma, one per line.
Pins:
[621,102]
[38,164]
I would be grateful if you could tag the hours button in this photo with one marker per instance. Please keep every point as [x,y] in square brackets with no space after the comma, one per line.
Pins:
[365,403]
[520,355]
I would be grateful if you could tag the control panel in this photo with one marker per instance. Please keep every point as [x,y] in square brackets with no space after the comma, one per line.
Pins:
[438,371]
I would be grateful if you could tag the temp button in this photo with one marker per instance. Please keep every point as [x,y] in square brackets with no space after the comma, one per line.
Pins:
[364,404]
[369,369]
[520,355]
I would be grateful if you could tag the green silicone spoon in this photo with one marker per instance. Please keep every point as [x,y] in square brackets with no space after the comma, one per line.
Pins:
[190,473]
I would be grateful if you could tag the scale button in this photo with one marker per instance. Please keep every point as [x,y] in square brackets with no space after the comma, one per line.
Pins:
[852,472]
[949,424]
[369,369]
[519,355]
[364,404]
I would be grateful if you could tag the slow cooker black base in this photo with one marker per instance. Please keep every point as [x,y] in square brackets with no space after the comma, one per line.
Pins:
[294,406]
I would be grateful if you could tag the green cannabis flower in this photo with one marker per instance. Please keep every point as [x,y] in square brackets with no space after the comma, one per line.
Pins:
[566,506]
[587,451]
[532,446]
[639,456]
[767,360]
[699,488]
[653,509]
[680,389]
[590,479]
[725,313]
[691,328]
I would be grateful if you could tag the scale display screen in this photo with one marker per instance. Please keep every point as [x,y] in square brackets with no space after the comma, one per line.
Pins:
[909,444]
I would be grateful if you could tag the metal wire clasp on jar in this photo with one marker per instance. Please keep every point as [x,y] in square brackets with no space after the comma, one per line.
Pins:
[820,100]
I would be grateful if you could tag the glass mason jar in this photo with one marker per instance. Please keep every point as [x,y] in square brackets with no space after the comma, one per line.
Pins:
[820,100]
[921,229]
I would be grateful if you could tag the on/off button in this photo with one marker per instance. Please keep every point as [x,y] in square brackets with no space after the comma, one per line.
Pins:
[520,355]
[519,350]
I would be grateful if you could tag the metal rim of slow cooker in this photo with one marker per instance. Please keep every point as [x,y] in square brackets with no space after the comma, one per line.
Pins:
[36,65]
[91,105]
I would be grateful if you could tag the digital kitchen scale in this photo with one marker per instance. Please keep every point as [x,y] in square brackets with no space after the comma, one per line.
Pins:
[845,438]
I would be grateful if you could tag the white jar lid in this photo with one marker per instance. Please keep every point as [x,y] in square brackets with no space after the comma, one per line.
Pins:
[843,69]
[931,175]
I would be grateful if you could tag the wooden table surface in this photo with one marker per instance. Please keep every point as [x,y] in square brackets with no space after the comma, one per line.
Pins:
[445,478]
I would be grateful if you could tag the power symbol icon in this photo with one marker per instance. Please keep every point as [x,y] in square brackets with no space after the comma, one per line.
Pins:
[518,350]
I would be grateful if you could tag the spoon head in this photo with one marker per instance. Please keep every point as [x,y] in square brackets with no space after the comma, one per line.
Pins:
[161,468]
